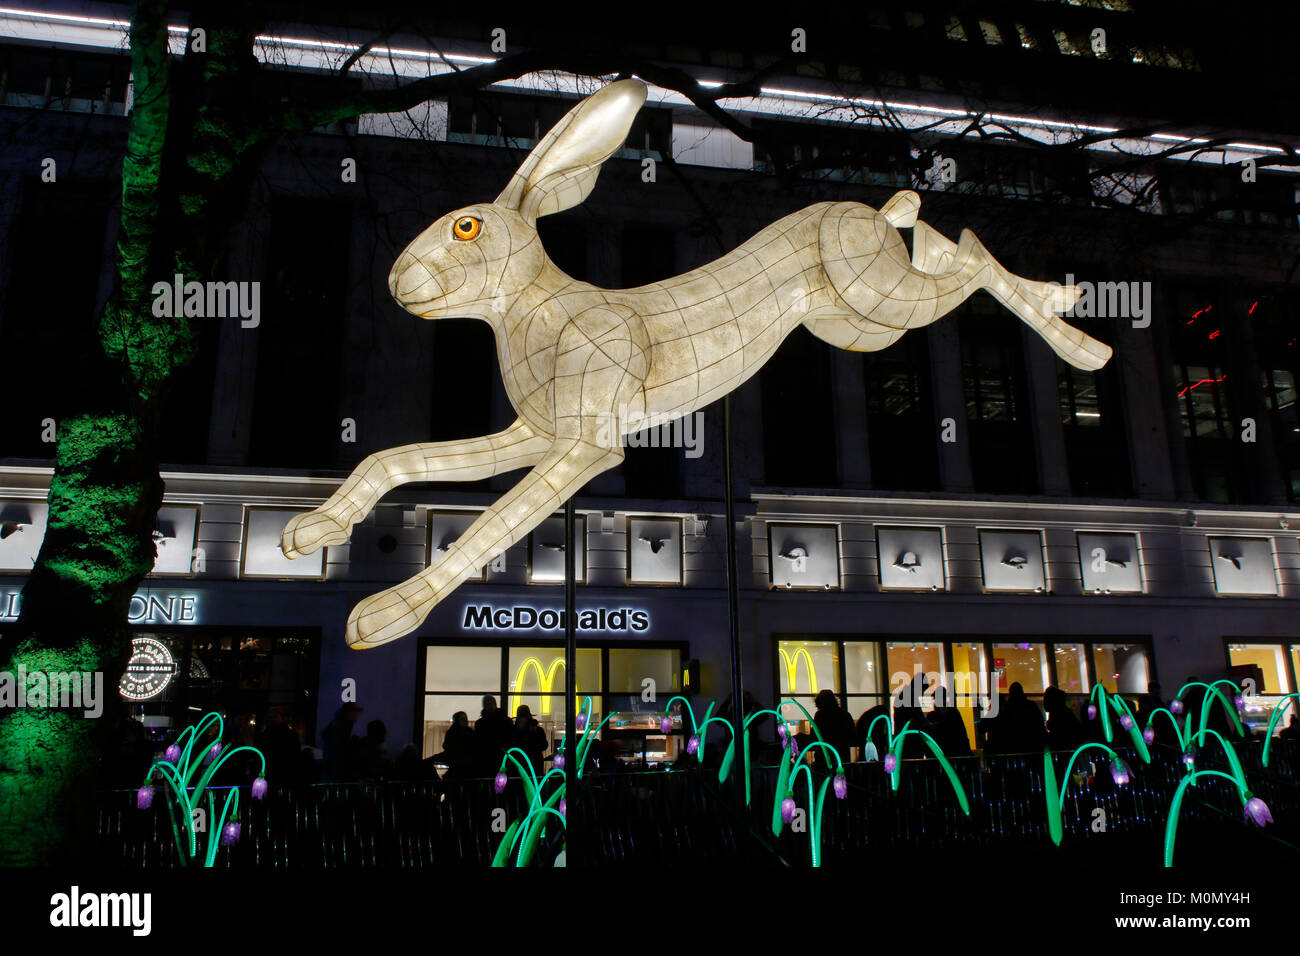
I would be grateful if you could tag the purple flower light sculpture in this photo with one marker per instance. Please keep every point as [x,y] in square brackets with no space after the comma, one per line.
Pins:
[559,761]
[259,788]
[1257,812]
[840,786]
[144,797]
[1176,705]
[1092,711]
[230,834]
[780,731]
[1119,771]
[172,754]
[665,724]
[582,721]
[1239,702]
[564,807]
[787,810]
[213,752]
[1149,735]
[891,761]
[1126,721]
[499,782]
[693,744]
[1189,758]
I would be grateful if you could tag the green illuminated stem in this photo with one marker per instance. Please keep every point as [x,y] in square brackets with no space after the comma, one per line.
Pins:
[782,785]
[889,725]
[1173,720]
[811,723]
[935,749]
[745,743]
[1212,689]
[689,709]
[1102,711]
[896,748]
[1120,704]
[1239,775]
[217,764]
[731,748]
[1272,722]
[1051,795]
[815,809]
[526,773]
[839,765]
[507,844]
[1171,825]
[1070,766]
[214,833]
[533,828]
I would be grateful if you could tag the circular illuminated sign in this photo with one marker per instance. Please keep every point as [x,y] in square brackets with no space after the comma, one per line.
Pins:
[149,671]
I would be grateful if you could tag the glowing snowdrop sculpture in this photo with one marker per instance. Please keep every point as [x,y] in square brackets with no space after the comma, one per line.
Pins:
[575,357]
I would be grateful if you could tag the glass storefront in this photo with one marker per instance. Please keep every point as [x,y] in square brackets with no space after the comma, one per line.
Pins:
[944,672]
[175,677]
[634,682]
[1273,669]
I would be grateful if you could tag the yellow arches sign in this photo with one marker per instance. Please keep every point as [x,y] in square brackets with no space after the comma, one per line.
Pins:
[545,681]
[791,662]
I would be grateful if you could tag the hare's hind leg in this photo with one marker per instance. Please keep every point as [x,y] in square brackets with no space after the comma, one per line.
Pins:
[1036,303]
[468,460]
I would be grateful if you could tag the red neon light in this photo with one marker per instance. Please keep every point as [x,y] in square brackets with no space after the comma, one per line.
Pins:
[1214,335]
[1204,381]
[1253,306]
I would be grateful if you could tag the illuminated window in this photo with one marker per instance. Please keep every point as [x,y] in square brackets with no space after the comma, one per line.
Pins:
[1072,669]
[992,35]
[804,668]
[1024,664]
[954,30]
[1122,668]
[1027,39]
[909,660]
[1267,665]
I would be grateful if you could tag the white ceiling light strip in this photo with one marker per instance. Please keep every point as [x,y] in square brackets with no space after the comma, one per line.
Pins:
[329,55]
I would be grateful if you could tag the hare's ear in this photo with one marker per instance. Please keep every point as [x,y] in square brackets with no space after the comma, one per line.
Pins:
[562,169]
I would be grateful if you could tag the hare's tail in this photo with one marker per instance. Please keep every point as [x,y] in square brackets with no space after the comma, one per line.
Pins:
[867,264]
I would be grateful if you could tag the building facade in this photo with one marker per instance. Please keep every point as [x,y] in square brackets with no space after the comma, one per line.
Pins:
[962,505]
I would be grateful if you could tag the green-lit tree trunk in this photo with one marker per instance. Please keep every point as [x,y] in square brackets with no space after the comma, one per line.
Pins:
[106,489]
[197,133]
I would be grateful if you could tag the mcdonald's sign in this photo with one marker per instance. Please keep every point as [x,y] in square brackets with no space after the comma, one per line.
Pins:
[791,662]
[545,681]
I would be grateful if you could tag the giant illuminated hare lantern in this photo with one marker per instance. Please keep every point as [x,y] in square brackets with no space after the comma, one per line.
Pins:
[575,357]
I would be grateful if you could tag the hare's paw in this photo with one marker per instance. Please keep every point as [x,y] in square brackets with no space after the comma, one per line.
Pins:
[311,530]
[381,618]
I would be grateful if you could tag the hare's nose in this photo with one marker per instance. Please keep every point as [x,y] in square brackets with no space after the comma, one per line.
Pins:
[408,276]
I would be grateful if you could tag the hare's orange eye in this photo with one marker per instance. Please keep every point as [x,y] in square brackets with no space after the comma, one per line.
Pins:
[467,227]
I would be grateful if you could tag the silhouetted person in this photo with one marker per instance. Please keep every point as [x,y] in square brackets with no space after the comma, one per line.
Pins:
[836,728]
[907,711]
[410,767]
[1018,727]
[945,725]
[374,759]
[279,744]
[530,737]
[879,736]
[308,767]
[339,746]
[1064,732]
[1291,732]
[458,749]
[493,733]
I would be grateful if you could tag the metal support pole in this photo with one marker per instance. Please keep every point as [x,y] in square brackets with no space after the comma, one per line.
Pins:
[733,594]
[570,676]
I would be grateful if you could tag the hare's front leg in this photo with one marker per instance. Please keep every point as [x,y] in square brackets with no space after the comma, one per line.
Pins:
[468,460]
[600,365]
